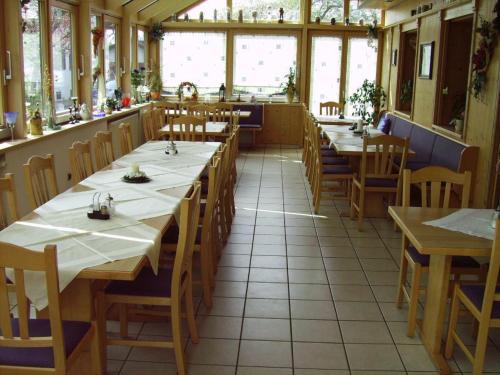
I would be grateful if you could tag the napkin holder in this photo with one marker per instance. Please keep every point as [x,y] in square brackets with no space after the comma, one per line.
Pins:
[100,211]
[171,148]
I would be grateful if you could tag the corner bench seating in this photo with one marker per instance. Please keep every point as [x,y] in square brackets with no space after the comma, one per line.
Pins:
[432,148]
[253,123]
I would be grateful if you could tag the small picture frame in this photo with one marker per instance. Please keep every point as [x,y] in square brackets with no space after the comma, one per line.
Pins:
[426,54]
[394,57]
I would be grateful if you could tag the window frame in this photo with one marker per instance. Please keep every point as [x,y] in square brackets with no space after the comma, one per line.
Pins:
[64,115]
[135,43]
[118,58]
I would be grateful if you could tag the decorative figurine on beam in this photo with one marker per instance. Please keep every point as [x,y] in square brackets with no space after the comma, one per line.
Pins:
[282,13]
[222,93]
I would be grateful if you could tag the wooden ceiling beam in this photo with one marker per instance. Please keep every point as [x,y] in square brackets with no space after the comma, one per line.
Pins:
[164,9]
[114,5]
[135,6]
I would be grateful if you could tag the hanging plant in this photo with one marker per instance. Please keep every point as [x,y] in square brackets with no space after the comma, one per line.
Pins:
[157,32]
[97,35]
[488,32]
[372,34]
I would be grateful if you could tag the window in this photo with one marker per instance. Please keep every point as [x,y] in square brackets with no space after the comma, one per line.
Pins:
[406,71]
[207,7]
[326,59]
[267,10]
[327,9]
[110,57]
[261,63]
[196,57]
[32,54]
[361,65]
[63,66]
[97,77]
[141,48]
[367,15]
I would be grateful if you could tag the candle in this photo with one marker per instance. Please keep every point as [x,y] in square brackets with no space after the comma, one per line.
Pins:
[360,125]
[135,168]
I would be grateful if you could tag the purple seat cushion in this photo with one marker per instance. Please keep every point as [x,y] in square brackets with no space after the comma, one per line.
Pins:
[476,294]
[415,165]
[457,261]
[147,284]
[384,125]
[381,182]
[335,160]
[337,169]
[255,119]
[172,235]
[399,127]
[42,357]
[422,142]
[328,153]
[446,153]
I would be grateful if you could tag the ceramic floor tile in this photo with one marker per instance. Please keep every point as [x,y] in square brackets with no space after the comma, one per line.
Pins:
[269,249]
[266,329]
[342,264]
[381,357]
[223,306]
[305,263]
[319,310]
[267,290]
[352,293]
[219,327]
[232,274]
[319,356]
[267,308]
[310,292]
[355,332]
[358,311]
[307,276]
[268,275]
[268,261]
[213,352]
[230,289]
[347,278]
[265,353]
[415,358]
[316,331]
[263,371]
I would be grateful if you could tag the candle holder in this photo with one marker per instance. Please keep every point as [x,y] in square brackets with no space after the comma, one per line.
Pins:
[10,119]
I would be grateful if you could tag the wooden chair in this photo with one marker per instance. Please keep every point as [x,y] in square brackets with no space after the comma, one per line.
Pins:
[171,111]
[158,118]
[40,179]
[483,302]
[434,181]
[126,144]
[205,111]
[326,177]
[376,172]
[40,346]
[331,108]
[189,128]
[103,149]
[223,113]
[167,289]
[8,212]
[80,161]
[148,126]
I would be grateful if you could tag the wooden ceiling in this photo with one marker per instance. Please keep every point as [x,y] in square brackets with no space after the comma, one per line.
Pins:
[150,11]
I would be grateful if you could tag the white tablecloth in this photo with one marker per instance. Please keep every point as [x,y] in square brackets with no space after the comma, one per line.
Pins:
[472,221]
[82,242]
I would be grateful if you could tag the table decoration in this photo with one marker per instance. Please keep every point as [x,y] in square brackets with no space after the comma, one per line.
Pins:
[10,120]
[35,121]
[136,176]
[100,211]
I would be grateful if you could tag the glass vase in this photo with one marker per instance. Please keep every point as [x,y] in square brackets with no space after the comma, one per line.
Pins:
[49,115]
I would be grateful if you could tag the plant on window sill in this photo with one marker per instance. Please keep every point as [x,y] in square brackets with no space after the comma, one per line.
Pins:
[369,95]
[289,88]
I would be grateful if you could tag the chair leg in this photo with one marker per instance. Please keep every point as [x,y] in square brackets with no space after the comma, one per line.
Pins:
[123,311]
[317,197]
[361,211]
[188,297]
[353,201]
[481,343]
[403,273]
[177,337]
[413,304]
[97,363]
[206,275]
[100,306]
[455,304]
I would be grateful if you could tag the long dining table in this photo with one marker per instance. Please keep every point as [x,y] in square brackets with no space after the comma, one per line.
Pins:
[215,129]
[127,242]
[441,245]
[183,112]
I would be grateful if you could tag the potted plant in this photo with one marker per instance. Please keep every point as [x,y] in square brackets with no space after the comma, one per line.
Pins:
[155,84]
[136,80]
[289,87]
[35,121]
[367,101]
[110,105]
[157,32]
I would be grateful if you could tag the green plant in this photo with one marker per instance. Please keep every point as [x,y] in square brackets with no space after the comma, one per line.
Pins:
[137,77]
[406,92]
[157,31]
[111,103]
[155,82]
[289,85]
[367,101]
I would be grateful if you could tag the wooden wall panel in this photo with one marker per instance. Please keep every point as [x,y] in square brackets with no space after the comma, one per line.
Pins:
[425,89]
[393,76]
[386,68]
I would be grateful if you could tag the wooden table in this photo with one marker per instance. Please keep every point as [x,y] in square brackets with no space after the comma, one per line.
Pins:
[183,112]
[334,120]
[441,245]
[213,129]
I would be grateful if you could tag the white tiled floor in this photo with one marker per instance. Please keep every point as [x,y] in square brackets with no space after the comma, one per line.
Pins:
[297,293]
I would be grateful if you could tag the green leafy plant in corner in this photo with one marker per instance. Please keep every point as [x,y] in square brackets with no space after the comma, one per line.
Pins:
[155,82]
[367,101]
[289,85]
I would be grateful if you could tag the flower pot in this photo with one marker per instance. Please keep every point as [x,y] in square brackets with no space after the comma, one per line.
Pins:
[36,126]
[108,110]
[459,126]
[289,96]
[155,95]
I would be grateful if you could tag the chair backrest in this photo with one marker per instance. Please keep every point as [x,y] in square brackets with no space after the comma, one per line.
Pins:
[188,227]
[431,180]
[16,333]
[80,161]
[209,113]
[191,128]
[148,126]
[103,149]
[40,179]
[8,214]
[384,150]
[331,108]
[224,112]
[171,110]
[158,119]
[126,144]
[491,295]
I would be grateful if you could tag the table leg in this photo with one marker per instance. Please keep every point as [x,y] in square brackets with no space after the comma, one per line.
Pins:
[435,309]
